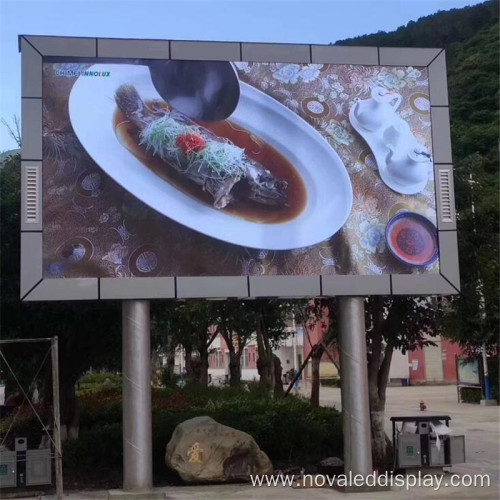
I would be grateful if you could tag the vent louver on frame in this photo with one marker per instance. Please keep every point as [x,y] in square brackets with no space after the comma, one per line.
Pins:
[444,184]
[32,190]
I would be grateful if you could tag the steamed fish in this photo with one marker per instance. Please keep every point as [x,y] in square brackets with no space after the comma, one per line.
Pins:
[212,162]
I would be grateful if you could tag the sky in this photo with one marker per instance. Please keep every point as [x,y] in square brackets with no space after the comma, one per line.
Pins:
[285,21]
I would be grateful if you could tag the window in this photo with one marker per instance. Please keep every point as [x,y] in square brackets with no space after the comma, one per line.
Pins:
[219,358]
[246,358]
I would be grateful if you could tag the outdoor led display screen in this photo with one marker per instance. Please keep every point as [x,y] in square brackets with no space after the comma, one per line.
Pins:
[331,176]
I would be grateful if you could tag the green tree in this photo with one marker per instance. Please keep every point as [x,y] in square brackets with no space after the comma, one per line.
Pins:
[236,324]
[270,323]
[311,314]
[404,323]
[473,317]
[192,324]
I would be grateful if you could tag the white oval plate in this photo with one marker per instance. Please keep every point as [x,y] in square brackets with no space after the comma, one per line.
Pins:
[329,190]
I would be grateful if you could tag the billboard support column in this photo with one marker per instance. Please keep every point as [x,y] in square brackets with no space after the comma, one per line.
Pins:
[136,367]
[354,390]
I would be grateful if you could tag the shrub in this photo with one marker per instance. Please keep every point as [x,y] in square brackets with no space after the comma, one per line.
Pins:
[99,383]
[289,430]
[471,394]
[100,378]
[330,382]
[99,409]
[97,448]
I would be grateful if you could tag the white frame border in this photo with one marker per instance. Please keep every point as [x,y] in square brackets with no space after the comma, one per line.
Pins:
[34,288]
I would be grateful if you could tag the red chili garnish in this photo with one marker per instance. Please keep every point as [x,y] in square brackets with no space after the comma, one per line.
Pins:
[190,142]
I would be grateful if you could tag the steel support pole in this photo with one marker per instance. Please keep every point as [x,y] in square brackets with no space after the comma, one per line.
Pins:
[294,342]
[54,356]
[136,368]
[354,386]
[487,387]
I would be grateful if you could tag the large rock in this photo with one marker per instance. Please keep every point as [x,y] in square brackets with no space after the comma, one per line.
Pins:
[202,450]
[331,466]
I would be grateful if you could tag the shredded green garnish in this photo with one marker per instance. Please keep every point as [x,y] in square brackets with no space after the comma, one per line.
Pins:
[160,136]
[218,159]
[222,159]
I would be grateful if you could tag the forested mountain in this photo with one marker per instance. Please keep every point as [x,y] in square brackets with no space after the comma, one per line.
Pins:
[5,154]
[471,39]
[444,29]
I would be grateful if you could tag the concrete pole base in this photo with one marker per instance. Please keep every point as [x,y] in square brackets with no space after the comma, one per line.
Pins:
[489,402]
[361,489]
[132,495]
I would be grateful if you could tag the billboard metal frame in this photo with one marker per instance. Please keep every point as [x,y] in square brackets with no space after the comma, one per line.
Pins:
[35,288]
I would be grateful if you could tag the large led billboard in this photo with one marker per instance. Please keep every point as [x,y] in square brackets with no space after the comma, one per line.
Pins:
[328,174]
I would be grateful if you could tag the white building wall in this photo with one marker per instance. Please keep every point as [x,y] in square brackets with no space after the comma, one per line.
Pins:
[216,343]
[285,354]
[434,361]
[249,374]
[399,366]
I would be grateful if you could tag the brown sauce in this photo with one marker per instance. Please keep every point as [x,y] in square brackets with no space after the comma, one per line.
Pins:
[255,148]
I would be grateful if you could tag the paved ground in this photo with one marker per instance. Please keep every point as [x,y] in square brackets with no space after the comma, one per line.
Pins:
[479,424]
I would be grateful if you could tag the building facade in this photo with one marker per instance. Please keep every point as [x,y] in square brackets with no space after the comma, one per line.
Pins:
[434,364]
[428,365]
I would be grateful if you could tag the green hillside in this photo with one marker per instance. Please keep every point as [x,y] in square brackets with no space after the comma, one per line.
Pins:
[471,39]
[5,154]
[444,29]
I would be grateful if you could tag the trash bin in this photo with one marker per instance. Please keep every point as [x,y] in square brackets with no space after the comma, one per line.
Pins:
[425,441]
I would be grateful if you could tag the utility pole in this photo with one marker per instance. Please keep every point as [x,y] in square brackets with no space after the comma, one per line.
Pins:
[54,354]
[294,343]
[482,306]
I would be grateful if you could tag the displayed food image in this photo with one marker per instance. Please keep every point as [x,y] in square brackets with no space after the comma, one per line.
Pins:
[223,170]
[286,185]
